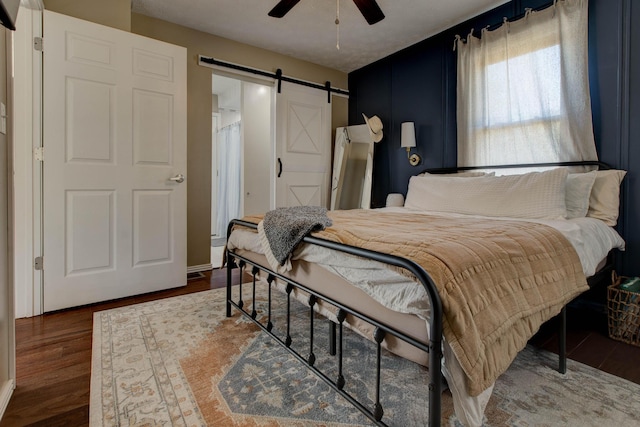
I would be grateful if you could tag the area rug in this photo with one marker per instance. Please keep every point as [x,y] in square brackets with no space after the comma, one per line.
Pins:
[181,362]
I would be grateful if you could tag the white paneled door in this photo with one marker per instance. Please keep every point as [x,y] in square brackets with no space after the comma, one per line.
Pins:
[303,148]
[114,163]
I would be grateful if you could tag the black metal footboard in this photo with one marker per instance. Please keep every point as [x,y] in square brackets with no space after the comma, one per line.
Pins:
[433,347]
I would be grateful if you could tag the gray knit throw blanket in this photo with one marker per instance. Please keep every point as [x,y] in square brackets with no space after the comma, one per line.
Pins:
[284,228]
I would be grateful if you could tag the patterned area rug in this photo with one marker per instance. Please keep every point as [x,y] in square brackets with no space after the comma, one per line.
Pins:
[181,362]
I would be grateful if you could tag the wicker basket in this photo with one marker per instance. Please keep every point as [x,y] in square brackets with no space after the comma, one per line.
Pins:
[623,309]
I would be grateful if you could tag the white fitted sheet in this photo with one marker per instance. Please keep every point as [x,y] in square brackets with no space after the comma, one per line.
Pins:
[591,238]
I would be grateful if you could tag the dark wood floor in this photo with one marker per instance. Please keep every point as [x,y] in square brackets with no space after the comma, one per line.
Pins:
[54,356]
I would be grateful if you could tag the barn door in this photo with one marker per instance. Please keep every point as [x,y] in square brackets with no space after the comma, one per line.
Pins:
[114,163]
[303,147]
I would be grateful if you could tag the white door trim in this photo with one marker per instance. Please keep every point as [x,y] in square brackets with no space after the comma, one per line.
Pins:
[27,125]
[7,323]
[215,123]
[6,390]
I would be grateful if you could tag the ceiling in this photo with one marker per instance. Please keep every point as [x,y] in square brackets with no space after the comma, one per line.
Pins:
[309,31]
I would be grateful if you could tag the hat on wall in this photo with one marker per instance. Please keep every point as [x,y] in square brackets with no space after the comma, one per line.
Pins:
[375,127]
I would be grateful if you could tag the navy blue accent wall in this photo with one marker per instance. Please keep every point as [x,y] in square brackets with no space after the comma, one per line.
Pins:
[419,84]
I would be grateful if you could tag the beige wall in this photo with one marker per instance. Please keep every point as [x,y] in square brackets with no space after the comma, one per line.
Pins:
[199,109]
[117,13]
[112,13]
[6,294]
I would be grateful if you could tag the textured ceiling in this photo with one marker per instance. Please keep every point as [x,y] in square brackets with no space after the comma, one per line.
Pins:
[308,31]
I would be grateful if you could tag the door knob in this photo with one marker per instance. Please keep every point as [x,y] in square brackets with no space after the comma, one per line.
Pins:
[178,178]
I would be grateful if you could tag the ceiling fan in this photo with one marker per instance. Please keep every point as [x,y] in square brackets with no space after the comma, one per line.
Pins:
[369,9]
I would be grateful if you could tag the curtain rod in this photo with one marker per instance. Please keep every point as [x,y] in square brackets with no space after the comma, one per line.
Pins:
[276,76]
[517,17]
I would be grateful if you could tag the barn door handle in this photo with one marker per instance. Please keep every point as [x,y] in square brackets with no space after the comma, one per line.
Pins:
[178,178]
[279,167]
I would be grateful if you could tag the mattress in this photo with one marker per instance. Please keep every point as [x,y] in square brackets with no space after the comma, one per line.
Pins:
[591,238]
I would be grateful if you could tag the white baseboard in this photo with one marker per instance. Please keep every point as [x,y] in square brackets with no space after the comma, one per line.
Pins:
[198,268]
[5,395]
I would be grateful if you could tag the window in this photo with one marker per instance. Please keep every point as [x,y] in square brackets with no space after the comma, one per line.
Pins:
[523,94]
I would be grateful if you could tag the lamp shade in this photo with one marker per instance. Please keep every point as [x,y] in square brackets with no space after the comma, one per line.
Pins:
[407,135]
[395,200]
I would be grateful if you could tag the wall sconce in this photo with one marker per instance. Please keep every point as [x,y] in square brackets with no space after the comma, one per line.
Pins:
[408,140]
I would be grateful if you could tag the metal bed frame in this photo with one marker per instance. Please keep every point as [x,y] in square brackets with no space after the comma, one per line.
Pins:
[433,347]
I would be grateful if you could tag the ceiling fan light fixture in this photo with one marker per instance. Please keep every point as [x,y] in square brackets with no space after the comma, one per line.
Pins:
[338,24]
[369,9]
[282,8]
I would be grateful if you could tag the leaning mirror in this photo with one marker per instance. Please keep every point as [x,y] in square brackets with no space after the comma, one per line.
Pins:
[352,168]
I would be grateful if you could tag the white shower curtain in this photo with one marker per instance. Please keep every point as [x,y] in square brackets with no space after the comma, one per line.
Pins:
[230,159]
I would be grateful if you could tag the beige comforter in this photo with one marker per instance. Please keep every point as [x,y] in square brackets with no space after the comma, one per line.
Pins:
[498,280]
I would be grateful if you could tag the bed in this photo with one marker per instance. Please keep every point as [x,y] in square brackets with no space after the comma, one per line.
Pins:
[406,300]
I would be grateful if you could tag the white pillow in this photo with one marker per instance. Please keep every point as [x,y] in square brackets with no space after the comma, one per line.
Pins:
[578,192]
[531,195]
[458,174]
[604,202]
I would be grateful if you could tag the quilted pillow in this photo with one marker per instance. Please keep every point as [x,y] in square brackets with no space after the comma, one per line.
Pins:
[578,192]
[604,202]
[531,195]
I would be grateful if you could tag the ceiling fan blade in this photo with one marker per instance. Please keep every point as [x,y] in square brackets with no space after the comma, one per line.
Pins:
[370,10]
[282,8]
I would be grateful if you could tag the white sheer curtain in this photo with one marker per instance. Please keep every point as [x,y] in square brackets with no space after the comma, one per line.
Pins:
[523,90]
[230,158]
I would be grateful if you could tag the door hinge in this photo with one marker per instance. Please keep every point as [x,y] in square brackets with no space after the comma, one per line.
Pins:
[38,154]
[38,44]
[38,263]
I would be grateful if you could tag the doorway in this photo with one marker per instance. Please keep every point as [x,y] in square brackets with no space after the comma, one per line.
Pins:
[242,178]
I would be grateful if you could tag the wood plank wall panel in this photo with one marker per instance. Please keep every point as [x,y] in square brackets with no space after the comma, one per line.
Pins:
[372,96]
[419,84]
[631,218]
[419,65]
